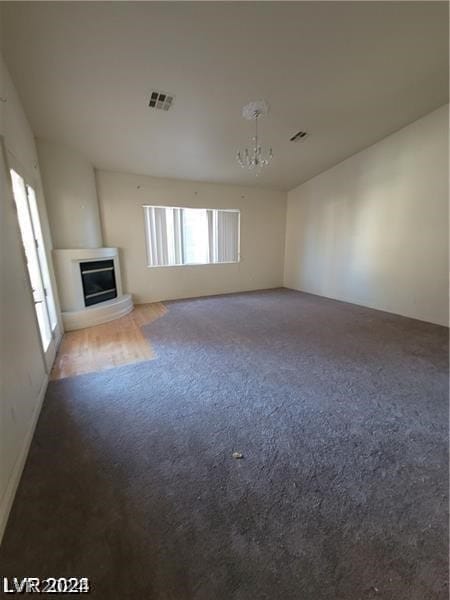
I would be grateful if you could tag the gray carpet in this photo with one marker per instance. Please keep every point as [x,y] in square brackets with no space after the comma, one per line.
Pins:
[341,414]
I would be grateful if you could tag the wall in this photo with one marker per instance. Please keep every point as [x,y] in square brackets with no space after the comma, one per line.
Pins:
[23,376]
[373,230]
[121,197]
[71,197]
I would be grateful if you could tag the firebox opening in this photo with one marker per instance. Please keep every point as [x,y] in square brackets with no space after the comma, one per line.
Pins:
[99,281]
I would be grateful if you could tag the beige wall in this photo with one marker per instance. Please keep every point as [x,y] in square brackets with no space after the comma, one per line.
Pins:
[373,230]
[71,197]
[121,197]
[23,376]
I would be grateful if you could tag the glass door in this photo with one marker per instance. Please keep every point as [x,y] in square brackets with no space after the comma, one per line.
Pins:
[31,232]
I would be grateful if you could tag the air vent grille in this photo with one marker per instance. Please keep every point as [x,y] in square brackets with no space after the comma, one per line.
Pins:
[160,100]
[299,137]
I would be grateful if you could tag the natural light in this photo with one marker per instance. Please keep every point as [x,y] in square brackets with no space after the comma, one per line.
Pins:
[191,236]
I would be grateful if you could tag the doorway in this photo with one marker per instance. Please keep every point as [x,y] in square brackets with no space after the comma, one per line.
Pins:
[37,265]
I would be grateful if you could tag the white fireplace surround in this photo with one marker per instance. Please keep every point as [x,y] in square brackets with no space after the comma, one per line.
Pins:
[75,314]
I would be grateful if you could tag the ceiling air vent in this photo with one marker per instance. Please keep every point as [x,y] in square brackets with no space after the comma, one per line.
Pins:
[161,100]
[299,137]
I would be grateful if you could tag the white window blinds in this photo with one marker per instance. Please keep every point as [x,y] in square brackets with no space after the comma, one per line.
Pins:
[191,236]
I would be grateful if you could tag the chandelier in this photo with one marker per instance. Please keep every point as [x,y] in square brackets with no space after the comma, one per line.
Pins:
[254,158]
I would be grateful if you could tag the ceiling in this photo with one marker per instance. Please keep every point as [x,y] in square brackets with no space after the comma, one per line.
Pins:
[347,72]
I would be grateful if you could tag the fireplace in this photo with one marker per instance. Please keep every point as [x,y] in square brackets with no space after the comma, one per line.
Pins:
[99,281]
[90,286]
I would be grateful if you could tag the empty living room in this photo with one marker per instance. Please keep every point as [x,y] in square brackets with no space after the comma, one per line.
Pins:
[224,282]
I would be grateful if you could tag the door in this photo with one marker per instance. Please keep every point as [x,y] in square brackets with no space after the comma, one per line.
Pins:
[37,265]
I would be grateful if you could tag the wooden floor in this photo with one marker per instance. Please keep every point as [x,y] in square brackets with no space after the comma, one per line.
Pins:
[118,342]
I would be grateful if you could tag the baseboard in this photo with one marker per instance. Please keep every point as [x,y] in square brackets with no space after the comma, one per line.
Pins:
[388,311]
[14,479]
[210,295]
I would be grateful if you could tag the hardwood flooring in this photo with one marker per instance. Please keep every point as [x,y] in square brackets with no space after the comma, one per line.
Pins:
[112,344]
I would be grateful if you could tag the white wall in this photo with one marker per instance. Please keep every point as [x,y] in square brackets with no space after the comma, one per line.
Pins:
[373,230]
[71,197]
[121,197]
[23,376]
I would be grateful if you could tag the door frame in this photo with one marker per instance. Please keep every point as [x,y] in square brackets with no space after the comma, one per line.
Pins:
[33,181]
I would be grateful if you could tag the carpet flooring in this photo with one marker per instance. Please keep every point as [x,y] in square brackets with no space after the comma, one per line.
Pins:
[341,414]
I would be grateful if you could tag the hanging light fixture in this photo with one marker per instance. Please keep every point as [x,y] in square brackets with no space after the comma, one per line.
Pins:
[254,158]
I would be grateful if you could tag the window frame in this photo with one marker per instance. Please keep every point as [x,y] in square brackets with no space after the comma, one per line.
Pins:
[178,265]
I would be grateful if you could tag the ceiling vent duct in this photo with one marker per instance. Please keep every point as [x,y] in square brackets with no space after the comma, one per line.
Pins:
[299,137]
[161,100]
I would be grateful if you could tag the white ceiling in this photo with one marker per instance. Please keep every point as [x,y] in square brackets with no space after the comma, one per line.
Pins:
[348,72]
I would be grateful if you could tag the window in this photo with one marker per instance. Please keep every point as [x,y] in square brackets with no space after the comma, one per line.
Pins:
[191,236]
